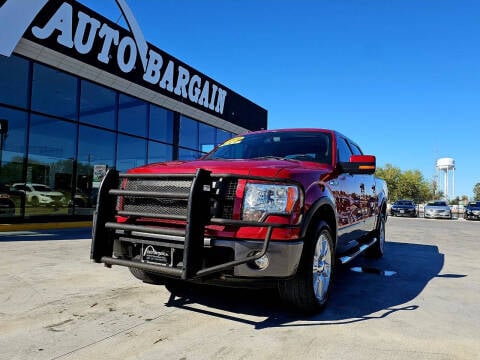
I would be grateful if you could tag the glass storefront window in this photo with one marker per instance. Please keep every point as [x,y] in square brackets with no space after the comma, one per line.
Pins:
[54,176]
[132,115]
[188,136]
[158,152]
[97,105]
[12,151]
[222,136]
[54,92]
[131,152]
[161,124]
[187,154]
[206,134]
[96,150]
[50,166]
[14,81]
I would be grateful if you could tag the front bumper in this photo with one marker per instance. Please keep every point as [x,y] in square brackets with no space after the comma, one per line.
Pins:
[403,212]
[184,252]
[473,215]
[438,215]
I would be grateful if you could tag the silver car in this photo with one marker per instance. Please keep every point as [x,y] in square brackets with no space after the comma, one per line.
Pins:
[437,209]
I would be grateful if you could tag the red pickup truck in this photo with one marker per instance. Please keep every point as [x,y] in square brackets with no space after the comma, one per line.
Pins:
[270,208]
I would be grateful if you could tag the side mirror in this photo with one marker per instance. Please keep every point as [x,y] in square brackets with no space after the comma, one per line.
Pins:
[359,164]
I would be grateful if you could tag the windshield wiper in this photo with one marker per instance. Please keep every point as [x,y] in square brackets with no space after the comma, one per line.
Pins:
[267,157]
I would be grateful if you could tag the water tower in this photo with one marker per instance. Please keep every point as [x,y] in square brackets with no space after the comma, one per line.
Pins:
[447,166]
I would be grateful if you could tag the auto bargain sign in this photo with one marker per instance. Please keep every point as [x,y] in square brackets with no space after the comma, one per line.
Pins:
[74,30]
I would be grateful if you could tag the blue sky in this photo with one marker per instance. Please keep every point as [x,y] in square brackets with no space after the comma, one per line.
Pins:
[400,77]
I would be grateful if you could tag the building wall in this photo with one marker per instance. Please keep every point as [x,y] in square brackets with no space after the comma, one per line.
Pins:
[61,126]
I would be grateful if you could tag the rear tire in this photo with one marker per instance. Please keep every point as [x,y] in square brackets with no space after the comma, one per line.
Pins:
[378,249]
[309,290]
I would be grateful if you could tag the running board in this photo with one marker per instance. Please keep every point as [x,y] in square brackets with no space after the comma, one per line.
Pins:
[357,251]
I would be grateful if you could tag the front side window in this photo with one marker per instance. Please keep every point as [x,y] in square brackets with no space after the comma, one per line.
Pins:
[343,150]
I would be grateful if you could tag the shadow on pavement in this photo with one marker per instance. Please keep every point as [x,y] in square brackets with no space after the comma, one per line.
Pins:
[356,296]
[47,235]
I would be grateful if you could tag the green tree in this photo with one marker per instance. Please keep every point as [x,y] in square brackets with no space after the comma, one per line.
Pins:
[391,175]
[476,191]
[408,184]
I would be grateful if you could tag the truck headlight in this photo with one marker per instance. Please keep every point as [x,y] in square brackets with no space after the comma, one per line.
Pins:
[261,200]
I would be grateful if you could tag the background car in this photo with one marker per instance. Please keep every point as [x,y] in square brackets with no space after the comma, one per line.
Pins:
[437,209]
[7,205]
[403,208]
[472,211]
[40,194]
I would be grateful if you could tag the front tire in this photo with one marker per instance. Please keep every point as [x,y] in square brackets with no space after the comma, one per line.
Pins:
[309,290]
[35,201]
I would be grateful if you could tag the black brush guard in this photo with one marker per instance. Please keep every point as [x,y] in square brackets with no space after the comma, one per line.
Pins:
[202,209]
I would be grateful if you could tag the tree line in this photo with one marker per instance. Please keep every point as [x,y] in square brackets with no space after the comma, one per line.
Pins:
[411,184]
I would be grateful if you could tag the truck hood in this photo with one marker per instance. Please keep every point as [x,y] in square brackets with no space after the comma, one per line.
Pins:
[268,168]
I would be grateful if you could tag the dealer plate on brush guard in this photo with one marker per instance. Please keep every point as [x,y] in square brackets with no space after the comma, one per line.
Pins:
[156,255]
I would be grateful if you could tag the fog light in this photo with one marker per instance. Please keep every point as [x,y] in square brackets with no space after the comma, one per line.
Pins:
[262,263]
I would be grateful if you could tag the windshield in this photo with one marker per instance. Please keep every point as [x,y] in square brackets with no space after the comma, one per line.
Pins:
[405,203]
[437,203]
[305,146]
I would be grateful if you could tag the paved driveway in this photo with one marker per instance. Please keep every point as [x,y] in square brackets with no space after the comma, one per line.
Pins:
[421,301]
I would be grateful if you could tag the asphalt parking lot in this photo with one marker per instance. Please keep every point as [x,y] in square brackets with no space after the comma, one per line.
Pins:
[421,301]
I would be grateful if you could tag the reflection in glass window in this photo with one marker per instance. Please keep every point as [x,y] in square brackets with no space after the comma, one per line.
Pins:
[222,136]
[131,152]
[14,81]
[12,151]
[54,92]
[187,154]
[159,152]
[161,124]
[50,162]
[188,133]
[132,115]
[96,148]
[207,137]
[97,105]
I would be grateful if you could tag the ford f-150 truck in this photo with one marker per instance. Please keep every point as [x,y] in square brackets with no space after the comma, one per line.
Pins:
[269,208]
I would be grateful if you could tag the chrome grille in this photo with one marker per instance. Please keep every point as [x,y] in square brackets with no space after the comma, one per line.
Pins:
[172,206]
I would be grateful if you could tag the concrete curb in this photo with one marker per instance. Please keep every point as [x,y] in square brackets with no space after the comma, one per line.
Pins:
[45,226]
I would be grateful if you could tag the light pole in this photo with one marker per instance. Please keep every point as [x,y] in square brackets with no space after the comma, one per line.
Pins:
[3,135]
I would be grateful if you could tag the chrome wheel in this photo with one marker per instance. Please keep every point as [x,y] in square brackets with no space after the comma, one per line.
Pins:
[322,267]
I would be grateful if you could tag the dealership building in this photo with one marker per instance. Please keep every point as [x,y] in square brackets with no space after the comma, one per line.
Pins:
[80,94]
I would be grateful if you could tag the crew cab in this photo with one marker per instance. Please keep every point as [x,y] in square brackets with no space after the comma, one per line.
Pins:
[276,208]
